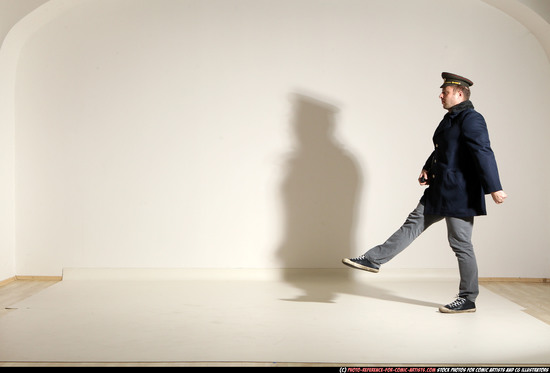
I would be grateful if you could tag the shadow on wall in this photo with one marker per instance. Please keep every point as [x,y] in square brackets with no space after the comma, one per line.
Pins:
[320,195]
[320,191]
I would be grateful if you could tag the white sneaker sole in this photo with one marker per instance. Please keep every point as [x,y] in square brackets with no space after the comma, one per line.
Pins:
[443,309]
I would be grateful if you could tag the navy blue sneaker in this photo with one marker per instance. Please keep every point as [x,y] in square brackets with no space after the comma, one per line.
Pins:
[460,305]
[361,263]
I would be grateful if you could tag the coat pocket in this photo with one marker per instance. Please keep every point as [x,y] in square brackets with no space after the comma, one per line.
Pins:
[454,180]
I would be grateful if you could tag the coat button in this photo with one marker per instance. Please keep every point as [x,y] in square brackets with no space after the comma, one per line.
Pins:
[437,145]
[433,176]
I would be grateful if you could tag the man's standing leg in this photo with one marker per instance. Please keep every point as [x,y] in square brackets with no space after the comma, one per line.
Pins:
[459,231]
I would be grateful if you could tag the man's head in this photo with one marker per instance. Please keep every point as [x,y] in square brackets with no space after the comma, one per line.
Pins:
[455,89]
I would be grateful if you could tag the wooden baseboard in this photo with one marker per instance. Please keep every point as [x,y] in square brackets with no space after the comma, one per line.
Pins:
[514,279]
[7,281]
[481,279]
[39,278]
[30,278]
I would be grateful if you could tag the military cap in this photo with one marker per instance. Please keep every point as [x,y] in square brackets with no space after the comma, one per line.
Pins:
[453,79]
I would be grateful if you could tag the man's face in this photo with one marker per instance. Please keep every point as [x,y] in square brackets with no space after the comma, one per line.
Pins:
[450,97]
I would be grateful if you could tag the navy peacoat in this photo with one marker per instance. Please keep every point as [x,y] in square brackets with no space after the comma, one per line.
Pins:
[462,168]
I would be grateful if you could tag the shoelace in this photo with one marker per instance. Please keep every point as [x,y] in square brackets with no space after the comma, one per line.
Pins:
[458,302]
[362,257]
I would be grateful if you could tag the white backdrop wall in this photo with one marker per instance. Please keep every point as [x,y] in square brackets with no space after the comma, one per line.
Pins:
[265,134]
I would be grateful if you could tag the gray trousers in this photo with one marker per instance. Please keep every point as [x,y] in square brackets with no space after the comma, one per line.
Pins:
[459,234]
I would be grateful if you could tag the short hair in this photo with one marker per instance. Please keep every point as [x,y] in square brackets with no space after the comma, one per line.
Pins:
[465,90]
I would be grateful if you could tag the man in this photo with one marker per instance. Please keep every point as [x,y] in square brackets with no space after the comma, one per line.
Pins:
[459,172]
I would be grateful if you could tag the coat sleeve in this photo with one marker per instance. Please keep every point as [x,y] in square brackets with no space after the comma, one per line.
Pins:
[474,130]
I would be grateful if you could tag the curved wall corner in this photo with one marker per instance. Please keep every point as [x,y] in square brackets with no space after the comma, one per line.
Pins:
[529,17]
[17,26]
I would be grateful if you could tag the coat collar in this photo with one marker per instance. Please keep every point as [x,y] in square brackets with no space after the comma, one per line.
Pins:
[464,105]
[455,110]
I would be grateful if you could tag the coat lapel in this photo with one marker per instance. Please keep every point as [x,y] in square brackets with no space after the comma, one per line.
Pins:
[443,125]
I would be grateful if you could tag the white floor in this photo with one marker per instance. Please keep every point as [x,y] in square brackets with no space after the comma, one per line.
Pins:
[331,316]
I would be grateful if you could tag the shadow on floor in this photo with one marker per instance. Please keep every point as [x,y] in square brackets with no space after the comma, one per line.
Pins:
[324,287]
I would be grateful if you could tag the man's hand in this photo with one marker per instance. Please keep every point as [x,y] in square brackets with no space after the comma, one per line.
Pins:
[499,196]
[423,178]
